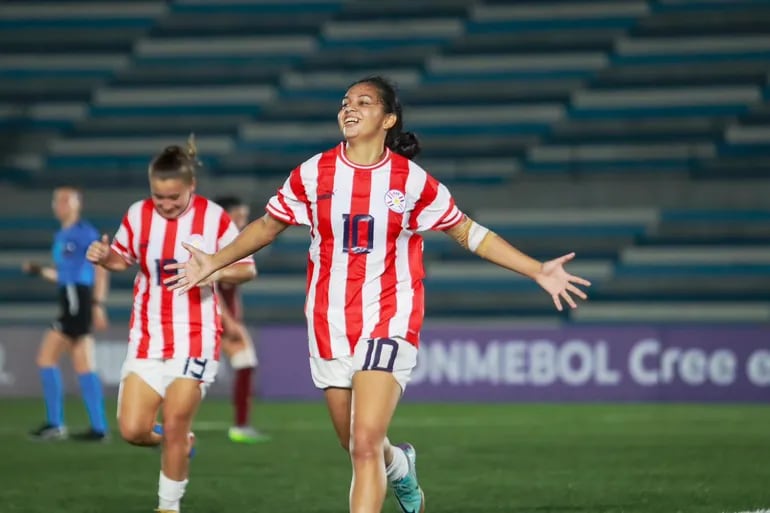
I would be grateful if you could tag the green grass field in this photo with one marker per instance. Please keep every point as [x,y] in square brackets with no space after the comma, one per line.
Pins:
[471,458]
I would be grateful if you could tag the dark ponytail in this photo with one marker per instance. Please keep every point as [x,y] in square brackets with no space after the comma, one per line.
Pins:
[403,143]
[176,162]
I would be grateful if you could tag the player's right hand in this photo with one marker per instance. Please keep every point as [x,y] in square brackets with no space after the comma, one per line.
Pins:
[191,273]
[99,250]
[31,268]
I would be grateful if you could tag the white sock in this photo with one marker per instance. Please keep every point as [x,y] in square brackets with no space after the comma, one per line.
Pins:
[170,492]
[399,466]
[244,359]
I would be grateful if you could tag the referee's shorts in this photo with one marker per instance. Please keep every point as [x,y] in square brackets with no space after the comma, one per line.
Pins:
[75,305]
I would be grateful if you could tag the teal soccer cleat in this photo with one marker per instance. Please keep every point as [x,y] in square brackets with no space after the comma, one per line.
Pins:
[407,490]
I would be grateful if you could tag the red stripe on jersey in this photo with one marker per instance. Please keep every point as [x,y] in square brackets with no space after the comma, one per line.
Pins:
[289,212]
[132,319]
[417,272]
[124,251]
[166,295]
[358,237]
[326,169]
[427,196]
[130,233]
[194,299]
[148,209]
[224,223]
[388,301]
[288,219]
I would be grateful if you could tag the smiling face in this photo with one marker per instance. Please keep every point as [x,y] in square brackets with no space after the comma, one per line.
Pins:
[171,196]
[362,114]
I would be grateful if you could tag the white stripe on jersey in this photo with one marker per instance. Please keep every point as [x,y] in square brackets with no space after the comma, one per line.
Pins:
[376,261]
[181,302]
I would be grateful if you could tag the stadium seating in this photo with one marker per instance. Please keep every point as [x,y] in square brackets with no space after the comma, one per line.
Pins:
[636,133]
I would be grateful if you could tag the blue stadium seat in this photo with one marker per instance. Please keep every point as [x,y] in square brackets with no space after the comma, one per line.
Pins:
[537,115]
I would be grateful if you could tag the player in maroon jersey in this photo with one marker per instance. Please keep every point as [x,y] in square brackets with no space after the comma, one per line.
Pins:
[174,341]
[236,341]
[365,202]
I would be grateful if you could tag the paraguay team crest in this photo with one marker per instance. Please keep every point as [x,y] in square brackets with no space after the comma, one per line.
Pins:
[396,201]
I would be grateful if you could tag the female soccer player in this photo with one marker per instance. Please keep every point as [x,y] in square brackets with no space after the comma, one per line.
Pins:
[236,341]
[82,290]
[365,202]
[174,341]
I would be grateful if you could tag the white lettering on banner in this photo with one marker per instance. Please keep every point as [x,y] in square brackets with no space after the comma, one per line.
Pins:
[542,371]
[758,368]
[6,378]
[636,365]
[436,362]
[515,362]
[722,367]
[649,365]
[481,364]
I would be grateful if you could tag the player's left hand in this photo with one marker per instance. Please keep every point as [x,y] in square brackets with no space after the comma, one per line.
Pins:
[559,283]
[99,318]
[31,268]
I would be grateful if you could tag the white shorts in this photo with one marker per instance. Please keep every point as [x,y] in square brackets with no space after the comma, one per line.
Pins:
[159,374]
[394,355]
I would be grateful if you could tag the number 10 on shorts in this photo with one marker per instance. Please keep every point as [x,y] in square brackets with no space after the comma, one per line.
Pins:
[380,354]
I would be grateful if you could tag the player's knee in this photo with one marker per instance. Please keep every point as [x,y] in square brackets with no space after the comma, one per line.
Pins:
[366,444]
[345,443]
[133,432]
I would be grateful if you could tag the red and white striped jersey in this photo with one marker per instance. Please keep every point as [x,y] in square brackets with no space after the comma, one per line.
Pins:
[163,323]
[365,268]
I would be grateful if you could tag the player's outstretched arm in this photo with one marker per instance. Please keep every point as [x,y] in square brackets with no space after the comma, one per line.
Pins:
[257,234]
[550,275]
[237,273]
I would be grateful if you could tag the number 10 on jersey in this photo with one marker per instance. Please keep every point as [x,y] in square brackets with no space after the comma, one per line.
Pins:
[358,236]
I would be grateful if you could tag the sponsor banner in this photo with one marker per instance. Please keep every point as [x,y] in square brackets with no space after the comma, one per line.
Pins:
[610,363]
[457,363]
[19,376]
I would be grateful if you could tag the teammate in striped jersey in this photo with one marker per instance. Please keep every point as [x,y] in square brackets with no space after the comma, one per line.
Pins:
[174,341]
[236,341]
[365,202]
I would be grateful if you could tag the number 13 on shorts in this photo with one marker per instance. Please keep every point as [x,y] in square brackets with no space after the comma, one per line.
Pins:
[195,367]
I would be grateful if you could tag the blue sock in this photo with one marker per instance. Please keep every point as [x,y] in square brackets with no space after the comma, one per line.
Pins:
[53,395]
[93,397]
